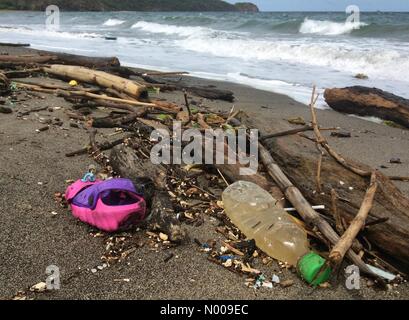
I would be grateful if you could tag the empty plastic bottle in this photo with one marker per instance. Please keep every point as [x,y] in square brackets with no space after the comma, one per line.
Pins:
[253,210]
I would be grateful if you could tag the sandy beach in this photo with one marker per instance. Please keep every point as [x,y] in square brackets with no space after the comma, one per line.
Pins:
[36,232]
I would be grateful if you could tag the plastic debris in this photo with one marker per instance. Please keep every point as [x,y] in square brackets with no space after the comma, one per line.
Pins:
[39,287]
[163,237]
[249,206]
[319,207]
[384,274]
[227,257]
[395,160]
[228,263]
[259,281]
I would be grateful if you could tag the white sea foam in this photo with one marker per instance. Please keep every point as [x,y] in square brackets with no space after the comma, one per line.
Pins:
[297,92]
[352,57]
[152,27]
[345,57]
[329,28]
[113,22]
[44,33]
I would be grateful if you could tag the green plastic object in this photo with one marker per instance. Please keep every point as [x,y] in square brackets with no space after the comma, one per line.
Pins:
[310,265]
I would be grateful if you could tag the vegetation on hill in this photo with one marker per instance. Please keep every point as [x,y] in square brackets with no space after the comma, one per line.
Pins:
[246,7]
[123,5]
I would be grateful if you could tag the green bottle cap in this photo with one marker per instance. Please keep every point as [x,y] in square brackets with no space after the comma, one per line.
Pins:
[310,265]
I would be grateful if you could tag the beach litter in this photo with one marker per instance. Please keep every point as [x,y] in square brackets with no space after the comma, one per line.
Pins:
[187,194]
[297,120]
[341,134]
[73,83]
[109,205]
[395,160]
[39,287]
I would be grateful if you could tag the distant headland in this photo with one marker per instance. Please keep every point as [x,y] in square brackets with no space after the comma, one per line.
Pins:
[129,5]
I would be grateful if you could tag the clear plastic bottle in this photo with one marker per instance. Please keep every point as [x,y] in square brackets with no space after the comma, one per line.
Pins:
[253,210]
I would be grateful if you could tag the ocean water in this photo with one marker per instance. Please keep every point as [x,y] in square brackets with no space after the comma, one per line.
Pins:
[281,52]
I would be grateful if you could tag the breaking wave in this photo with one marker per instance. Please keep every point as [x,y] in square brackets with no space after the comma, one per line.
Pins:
[329,28]
[338,56]
[169,29]
[48,33]
[113,22]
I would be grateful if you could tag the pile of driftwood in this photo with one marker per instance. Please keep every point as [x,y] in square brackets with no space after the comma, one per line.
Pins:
[367,223]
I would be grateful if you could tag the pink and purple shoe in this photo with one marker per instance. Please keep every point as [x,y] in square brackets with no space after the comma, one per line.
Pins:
[109,205]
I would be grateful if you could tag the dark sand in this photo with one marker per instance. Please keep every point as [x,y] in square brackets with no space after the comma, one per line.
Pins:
[32,238]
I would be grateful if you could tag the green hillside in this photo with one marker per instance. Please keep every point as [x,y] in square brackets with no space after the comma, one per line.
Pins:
[122,5]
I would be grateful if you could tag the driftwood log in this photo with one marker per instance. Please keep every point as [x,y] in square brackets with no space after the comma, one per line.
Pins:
[100,78]
[200,91]
[110,122]
[7,44]
[90,62]
[211,93]
[4,84]
[27,59]
[365,101]
[42,57]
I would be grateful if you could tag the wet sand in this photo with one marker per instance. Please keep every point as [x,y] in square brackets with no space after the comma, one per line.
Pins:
[33,167]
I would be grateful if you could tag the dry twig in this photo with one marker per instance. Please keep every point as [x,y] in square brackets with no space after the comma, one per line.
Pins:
[344,244]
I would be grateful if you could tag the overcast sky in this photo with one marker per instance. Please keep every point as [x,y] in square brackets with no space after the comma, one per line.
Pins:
[329,5]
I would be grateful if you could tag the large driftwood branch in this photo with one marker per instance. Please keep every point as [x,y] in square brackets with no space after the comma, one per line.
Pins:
[323,142]
[100,78]
[27,59]
[79,93]
[42,57]
[204,92]
[102,147]
[338,251]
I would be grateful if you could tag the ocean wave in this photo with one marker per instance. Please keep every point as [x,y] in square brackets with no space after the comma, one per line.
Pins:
[113,22]
[288,27]
[153,27]
[329,28]
[48,33]
[297,92]
[339,56]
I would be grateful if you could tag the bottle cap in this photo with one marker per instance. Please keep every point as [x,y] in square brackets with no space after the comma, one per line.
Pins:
[310,265]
